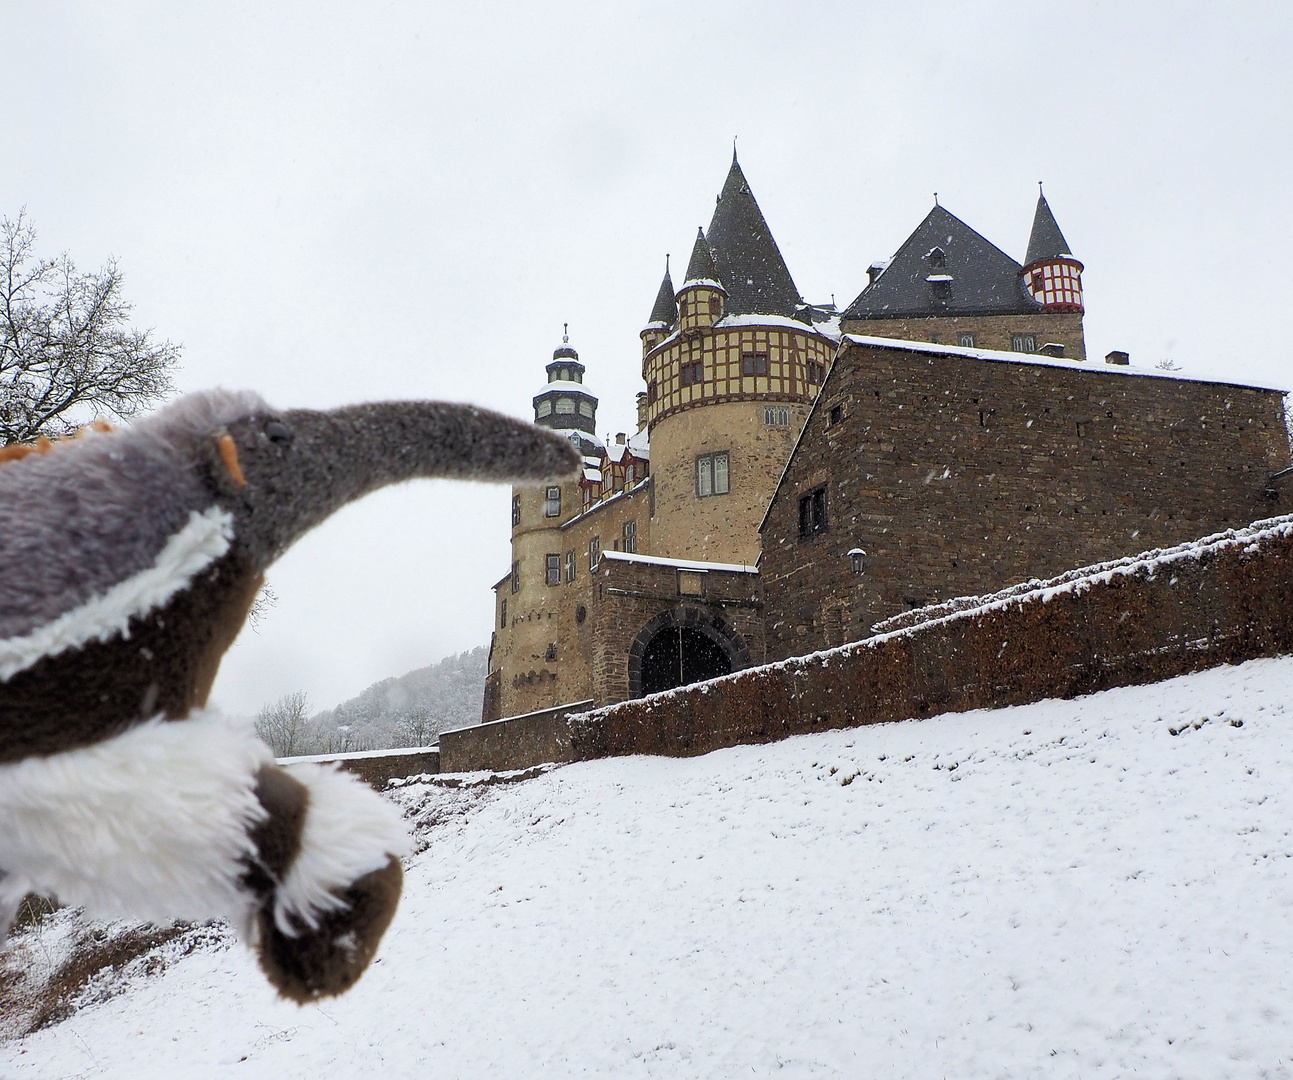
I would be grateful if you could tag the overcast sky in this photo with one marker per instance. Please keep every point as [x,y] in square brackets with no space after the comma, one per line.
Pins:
[341,202]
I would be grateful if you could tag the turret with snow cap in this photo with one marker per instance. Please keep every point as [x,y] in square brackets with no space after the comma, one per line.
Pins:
[664,314]
[565,403]
[700,300]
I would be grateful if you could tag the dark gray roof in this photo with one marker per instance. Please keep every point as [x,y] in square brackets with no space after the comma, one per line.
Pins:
[1046,240]
[747,258]
[701,265]
[976,278]
[665,311]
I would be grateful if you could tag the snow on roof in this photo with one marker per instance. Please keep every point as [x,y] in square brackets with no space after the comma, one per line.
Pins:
[709,283]
[564,385]
[1051,361]
[593,475]
[640,444]
[586,436]
[938,277]
[681,564]
[632,489]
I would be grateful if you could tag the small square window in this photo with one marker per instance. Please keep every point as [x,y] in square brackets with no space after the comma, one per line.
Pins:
[516,510]
[837,414]
[552,502]
[553,563]
[754,363]
[812,513]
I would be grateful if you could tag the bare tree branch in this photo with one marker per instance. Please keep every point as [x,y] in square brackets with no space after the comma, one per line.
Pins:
[66,353]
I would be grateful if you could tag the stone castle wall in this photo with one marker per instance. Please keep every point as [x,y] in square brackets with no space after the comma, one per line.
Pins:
[990,331]
[957,475]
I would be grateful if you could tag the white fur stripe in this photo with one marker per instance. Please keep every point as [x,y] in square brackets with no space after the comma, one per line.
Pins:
[349,831]
[152,824]
[201,542]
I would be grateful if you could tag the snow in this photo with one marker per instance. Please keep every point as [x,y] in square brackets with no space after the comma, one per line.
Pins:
[681,564]
[1051,361]
[566,387]
[1096,888]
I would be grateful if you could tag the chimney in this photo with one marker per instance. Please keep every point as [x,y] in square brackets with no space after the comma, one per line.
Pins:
[619,438]
[874,271]
[1052,348]
[1117,357]
[642,410]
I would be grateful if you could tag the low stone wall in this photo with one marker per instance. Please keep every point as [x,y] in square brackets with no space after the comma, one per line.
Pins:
[1221,600]
[517,742]
[376,767]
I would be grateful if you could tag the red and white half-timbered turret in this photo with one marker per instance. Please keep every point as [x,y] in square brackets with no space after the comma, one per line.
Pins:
[1051,274]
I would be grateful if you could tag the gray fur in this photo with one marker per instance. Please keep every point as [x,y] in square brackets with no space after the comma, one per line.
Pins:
[88,514]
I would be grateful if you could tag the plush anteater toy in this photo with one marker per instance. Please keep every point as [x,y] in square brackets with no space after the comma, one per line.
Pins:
[128,562]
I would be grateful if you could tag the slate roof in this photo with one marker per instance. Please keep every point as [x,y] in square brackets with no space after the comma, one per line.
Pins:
[700,269]
[984,280]
[1046,240]
[748,261]
[665,312]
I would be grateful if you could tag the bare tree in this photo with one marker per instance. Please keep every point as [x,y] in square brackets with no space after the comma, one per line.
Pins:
[285,725]
[265,599]
[415,727]
[66,354]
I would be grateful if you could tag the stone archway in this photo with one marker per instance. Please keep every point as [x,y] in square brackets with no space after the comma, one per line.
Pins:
[684,645]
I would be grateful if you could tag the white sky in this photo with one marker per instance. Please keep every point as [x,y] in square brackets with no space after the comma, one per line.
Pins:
[332,203]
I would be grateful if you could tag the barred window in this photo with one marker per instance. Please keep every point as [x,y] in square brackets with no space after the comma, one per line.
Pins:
[553,569]
[712,475]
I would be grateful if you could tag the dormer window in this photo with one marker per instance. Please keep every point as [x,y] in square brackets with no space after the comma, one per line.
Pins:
[937,259]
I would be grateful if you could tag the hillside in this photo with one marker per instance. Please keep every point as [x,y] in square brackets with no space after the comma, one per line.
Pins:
[412,709]
[1096,888]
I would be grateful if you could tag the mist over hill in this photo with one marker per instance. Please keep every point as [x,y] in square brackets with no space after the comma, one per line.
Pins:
[410,710]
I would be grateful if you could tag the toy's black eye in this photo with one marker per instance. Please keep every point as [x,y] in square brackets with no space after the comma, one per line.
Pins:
[278,432]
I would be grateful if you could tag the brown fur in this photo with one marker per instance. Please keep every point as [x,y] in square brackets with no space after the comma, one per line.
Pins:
[166,665]
[278,838]
[328,961]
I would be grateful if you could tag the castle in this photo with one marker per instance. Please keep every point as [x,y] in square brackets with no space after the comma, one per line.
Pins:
[801,473]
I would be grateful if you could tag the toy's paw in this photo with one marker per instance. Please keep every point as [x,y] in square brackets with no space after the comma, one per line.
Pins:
[328,960]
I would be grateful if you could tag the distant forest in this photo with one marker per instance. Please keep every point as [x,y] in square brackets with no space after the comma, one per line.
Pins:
[410,710]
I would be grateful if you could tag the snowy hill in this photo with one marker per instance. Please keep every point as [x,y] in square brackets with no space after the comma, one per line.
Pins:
[1089,888]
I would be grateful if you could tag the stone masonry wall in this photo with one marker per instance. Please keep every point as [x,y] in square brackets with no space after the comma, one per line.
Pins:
[990,331]
[958,475]
[1223,600]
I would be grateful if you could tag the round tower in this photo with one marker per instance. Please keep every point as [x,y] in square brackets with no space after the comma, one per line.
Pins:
[729,386]
[1051,274]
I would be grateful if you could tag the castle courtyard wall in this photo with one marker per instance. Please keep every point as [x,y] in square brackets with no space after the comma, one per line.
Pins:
[990,331]
[958,474]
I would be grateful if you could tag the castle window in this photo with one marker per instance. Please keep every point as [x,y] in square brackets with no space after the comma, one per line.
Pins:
[1025,343]
[653,392]
[712,475]
[544,409]
[552,502]
[586,409]
[565,405]
[837,414]
[776,416]
[715,306]
[965,340]
[594,553]
[553,566]
[812,513]
[502,614]
[571,565]
[516,577]
[628,475]
[516,510]
[551,652]
[693,372]
[754,363]
[630,533]
[816,372]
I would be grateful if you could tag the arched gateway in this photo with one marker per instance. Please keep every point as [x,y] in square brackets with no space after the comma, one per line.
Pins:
[685,645]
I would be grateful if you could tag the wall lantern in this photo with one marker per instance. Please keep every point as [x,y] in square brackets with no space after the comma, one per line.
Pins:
[857,560]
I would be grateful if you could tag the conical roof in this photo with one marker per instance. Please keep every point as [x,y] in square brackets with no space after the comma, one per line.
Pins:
[665,312]
[1046,240]
[945,268]
[748,261]
[700,268]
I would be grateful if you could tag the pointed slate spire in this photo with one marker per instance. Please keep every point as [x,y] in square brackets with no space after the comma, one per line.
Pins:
[746,256]
[665,312]
[1046,241]
[700,269]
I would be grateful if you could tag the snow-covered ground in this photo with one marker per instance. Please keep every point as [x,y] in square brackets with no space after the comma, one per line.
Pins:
[1093,888]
